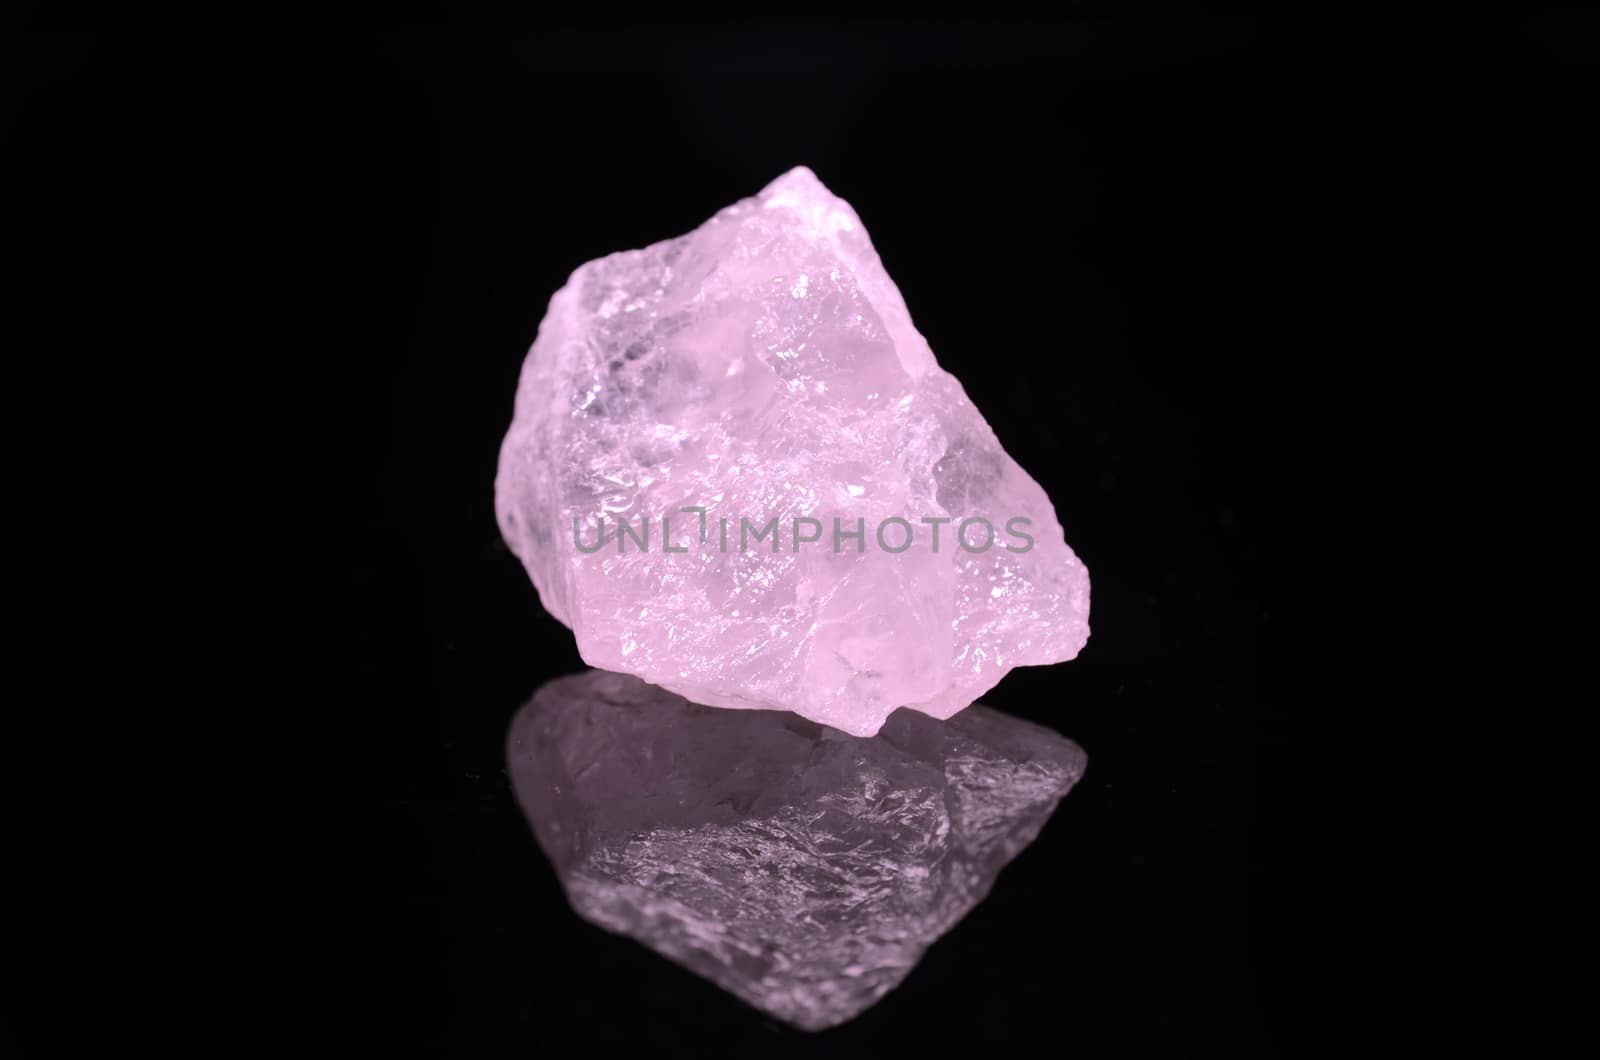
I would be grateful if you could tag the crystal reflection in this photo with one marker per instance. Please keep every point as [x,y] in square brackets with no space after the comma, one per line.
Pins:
[800,868]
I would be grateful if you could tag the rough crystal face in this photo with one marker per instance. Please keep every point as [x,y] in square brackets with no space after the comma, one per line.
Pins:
[802,869]
[764,367]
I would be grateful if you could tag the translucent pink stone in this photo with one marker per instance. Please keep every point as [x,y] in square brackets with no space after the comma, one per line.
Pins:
[765,367]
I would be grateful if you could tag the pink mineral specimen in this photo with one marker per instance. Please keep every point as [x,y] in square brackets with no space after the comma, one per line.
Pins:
[736,470]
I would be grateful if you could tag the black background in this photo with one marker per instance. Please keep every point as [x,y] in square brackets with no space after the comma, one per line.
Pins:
[1088,224]
[1156,248]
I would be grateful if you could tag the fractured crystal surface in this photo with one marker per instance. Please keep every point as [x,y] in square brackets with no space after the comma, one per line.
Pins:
[764,367]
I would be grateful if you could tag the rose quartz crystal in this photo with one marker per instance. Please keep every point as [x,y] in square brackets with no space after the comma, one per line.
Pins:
[764,367]
[800,869]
